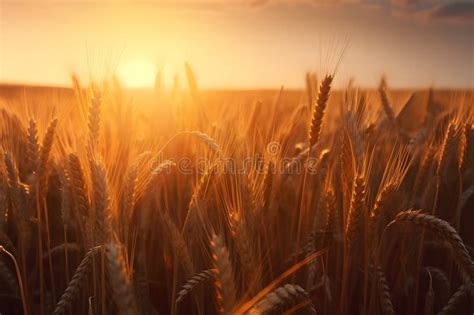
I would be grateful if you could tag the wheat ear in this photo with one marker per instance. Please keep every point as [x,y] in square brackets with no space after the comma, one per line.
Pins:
[383,290]
[195,280]
[387,107]
[444,231]
[180,247]
[332,214]
[33,146]
[7,278]
[77,281]
[81,200]
[101,203]
[280,299]
[379,205]
[465,197]
[225,287]
[65,196]
[45,152]
[128,199]
[356,212]
[440,278]
[319,109]
[245,247]
[449,149]
[210,142]
[94,119]
[464,294]
[268,184]
[13,184]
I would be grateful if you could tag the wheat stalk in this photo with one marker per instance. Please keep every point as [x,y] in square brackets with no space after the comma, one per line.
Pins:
[429,297]
[309,90]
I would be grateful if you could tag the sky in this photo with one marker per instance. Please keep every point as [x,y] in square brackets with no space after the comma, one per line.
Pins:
[239,43]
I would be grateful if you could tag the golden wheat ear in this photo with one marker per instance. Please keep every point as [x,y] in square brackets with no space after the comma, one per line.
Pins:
[211,143]
[101,202]
[318,111]
[225,287]
[33,146]
[13,183]
[178,243]
[45,151]
[94,120]
[354,227]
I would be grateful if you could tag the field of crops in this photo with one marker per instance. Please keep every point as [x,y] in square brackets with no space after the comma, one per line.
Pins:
[185,201]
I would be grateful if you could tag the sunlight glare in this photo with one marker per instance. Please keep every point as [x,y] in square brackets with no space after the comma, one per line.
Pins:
[137,74]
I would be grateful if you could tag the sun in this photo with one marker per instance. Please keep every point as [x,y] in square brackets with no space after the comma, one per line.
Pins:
[137,74]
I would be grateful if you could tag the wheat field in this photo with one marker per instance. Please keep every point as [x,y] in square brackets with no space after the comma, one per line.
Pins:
[188,201]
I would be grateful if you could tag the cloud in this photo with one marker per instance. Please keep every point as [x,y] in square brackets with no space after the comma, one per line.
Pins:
[257,3]
[431,10]
[462,11]
[404,3]
[261,3]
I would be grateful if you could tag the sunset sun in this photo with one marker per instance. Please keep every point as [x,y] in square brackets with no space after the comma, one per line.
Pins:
[137,74]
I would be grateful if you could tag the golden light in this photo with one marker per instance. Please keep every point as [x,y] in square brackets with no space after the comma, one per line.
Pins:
[137,74]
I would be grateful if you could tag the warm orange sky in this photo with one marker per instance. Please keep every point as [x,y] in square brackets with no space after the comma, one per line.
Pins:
[238,43]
